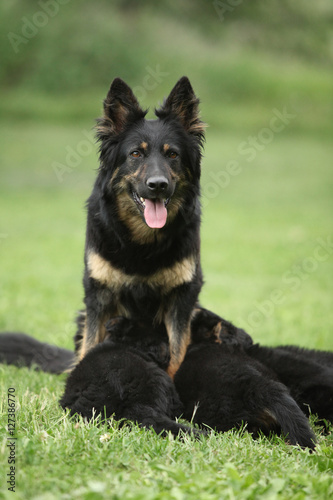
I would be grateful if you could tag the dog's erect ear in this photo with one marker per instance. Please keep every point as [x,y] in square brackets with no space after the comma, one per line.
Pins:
[183,104]
[120,108]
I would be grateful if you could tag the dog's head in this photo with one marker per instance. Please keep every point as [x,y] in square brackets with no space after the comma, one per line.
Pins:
[150,167]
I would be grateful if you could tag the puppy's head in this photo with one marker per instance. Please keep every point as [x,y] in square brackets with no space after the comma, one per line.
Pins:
[207,326]
[149,341]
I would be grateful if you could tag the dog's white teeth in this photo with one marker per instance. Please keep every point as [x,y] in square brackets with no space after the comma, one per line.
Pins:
[142,200]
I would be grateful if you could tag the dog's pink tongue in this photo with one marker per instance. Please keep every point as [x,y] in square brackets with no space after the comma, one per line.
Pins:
[155,213]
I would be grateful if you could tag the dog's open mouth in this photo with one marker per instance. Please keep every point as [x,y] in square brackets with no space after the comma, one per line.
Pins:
[154,210]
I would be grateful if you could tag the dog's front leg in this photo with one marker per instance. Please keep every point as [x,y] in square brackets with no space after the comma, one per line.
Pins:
[93,332]
[179,339]
[177,321]
[100,306]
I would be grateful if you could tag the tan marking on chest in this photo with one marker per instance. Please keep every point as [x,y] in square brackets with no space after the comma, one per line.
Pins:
[166,279]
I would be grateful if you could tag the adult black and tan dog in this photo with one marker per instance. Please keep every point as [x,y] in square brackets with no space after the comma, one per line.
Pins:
[142,254]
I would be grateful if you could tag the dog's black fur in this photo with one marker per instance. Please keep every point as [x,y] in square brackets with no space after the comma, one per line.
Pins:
[124,377]
[21,350]
[307,373]
[222,387]
[324,358]
[142,256]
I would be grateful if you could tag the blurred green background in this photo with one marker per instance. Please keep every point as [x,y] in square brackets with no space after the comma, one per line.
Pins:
[264,74]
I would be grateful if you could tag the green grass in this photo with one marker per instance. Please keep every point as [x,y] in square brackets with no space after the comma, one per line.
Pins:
[258,225]
[60,458]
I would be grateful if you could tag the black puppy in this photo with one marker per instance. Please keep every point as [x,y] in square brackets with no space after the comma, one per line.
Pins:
[307,373]
[121,377]
[222,387]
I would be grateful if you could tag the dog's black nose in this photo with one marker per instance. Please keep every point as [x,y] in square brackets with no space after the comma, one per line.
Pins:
[157,184]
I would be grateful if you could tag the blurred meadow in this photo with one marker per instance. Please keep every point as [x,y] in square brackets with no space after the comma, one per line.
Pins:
[264,75]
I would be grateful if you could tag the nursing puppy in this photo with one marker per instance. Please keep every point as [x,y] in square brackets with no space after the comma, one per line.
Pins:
[127,380]
[307,373]
[221,387]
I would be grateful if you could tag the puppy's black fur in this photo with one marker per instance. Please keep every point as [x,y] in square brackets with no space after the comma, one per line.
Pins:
[121,377]
[324,358]
[222,387]
[142,256]
[307,373]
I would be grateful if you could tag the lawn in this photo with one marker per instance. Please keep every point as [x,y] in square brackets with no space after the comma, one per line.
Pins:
[267,261]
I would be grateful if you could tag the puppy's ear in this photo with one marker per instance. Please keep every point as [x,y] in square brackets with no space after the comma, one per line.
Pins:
[120,109]
[183,104]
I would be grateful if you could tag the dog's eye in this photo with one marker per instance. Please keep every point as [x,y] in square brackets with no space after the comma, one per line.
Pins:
[135,154]
[172,154]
